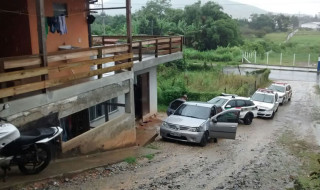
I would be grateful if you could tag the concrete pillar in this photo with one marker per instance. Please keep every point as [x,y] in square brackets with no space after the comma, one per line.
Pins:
[129,99]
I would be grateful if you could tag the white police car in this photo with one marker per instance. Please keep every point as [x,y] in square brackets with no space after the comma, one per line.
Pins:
[267,103]
[283,90]
[248,110]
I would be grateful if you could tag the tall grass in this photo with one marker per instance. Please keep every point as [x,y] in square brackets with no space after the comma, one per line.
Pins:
[223,54]
[206,84]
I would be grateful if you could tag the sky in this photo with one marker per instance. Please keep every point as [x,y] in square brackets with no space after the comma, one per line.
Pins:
[310,7]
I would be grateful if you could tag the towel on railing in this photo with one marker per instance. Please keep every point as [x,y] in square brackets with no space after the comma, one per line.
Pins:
[63,25]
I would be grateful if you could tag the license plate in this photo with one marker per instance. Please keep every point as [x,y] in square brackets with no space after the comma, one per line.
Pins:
[175,134]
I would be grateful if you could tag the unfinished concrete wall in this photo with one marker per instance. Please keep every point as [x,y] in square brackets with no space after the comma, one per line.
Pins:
[119,132]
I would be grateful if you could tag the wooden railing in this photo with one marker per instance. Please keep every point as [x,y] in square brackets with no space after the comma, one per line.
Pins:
[16,72]
[23,75]
[142,45]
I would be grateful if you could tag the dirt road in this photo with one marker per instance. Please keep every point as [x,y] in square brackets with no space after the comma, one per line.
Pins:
[259,158]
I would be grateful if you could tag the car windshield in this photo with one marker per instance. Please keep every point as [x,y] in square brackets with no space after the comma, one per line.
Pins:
[218,101]
[277,88]
[193,111]
[263,98]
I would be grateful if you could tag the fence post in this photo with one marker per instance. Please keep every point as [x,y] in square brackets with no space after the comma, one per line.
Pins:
[294,59]
[140,51]
[267,58]
[309,60]
[170,45]
[255,57]
[99,56]
[318,68]
[281,58]
[156,51]
[242,57]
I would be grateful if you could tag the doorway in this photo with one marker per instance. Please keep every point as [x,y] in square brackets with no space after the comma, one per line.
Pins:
[142,96]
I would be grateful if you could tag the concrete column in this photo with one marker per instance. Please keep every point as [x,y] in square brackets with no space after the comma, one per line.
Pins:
[129,99]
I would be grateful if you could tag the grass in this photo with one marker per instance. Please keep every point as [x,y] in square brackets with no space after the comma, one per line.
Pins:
[301,44]
[309,158]
[131,160]
[152,146]
[277,38]
[149,156]
[162,108]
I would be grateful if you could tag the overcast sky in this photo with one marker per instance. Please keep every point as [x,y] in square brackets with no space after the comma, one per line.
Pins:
[310,7]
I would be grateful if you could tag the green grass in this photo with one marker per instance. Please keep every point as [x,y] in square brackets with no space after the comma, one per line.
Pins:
[301,44]
[152,146]
[149,156]
[131,160]
[162,108]
[277,38]
[309,158]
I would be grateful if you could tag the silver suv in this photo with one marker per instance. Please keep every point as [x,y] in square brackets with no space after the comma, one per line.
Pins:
[230,101]
[198,121]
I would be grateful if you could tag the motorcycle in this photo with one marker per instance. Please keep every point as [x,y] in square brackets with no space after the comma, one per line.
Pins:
[29,150]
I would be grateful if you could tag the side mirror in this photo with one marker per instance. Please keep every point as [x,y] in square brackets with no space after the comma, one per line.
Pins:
[214,120]
[228,106]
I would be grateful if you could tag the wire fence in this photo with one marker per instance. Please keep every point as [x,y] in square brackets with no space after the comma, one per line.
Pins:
[281,59]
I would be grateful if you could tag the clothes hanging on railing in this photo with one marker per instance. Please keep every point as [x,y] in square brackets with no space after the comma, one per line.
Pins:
[63,26]
[57,24]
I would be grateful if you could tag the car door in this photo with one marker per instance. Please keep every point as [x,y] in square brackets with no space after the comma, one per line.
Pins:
[174,105]
[224,124]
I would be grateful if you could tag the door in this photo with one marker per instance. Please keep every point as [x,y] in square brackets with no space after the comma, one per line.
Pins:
[224,125]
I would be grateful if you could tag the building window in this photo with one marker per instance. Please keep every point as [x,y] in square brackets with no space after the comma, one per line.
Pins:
[98,111]
[60,9]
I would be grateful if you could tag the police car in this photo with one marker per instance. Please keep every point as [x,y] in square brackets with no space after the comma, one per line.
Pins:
[283,90]
[248,110]
[267,103]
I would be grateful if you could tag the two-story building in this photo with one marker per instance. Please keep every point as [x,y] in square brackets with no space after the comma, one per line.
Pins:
[53,72]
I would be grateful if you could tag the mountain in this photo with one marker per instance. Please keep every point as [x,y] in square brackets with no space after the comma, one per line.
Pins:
[232,8]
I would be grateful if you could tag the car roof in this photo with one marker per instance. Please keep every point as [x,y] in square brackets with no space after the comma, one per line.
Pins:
[196,103]
[232,97]
[280,84]
[268,93]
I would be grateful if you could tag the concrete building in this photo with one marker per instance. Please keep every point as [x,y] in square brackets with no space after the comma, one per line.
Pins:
[311,25]
[93,89]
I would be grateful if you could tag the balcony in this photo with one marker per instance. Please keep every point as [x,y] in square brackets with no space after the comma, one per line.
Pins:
[24,76]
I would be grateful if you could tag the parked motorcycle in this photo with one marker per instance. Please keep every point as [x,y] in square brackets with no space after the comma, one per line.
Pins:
[29,150]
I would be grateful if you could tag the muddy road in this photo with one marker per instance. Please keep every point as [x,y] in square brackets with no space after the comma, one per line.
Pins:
[255,160]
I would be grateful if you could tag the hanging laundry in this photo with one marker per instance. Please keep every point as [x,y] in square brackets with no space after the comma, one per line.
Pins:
[62,25]
[53,23]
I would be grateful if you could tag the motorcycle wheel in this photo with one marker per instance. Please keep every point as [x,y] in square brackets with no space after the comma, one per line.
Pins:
[33,164]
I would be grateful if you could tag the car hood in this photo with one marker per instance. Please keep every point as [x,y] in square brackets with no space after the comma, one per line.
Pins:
[263,105]
[185,121]
[281,93]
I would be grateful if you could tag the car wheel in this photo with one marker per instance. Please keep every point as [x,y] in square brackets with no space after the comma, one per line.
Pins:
[272,115]
[204,139]
[247,120]
[164,138]
[215,140]
[277,109]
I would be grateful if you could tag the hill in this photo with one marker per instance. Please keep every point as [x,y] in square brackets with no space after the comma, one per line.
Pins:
[234,9]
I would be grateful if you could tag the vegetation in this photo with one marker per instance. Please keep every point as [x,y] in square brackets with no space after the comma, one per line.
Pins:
[131,160]
[307,178]
[203,81]
[149,156]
